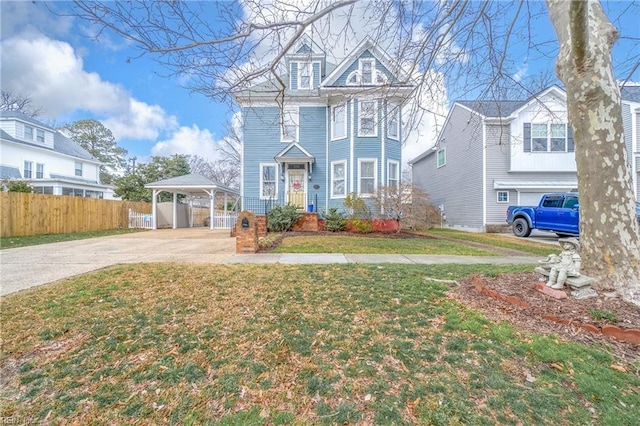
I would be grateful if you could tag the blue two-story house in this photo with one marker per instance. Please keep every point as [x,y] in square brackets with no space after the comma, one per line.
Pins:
[331,131]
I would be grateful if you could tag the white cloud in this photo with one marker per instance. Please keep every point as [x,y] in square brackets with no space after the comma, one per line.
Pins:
[140,121]
[29,17]
[522,71]
[190,141]
[52,75]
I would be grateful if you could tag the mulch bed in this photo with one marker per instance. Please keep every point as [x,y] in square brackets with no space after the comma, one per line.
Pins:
[522,287]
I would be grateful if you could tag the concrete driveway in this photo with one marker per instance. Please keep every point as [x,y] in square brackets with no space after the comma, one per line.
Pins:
[26,267]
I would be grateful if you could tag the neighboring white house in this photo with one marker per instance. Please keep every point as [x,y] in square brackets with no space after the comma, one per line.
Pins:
[491,154]
[51,162]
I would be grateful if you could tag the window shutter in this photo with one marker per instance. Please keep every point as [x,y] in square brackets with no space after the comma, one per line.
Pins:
[527,137]
[570,146]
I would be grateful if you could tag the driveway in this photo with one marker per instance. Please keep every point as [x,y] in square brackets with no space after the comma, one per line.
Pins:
[26,267]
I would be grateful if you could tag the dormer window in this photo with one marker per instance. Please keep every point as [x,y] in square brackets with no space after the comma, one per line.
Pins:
[40,135]
[304,75]
[28,133]
[367,74]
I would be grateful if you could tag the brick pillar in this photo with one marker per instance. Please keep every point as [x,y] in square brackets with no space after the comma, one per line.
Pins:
[246,233]
[262,225]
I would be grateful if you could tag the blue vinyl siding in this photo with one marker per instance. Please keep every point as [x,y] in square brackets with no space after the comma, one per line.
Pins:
[294,76]
[316,74]
[261,128]
[313,139]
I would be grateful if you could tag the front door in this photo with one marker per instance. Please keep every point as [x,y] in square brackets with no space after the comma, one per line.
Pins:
[296,186]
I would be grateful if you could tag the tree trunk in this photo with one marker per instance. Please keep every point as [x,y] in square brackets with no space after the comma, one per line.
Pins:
[609,235]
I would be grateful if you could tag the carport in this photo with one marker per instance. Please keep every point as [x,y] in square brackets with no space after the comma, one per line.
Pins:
[194,185]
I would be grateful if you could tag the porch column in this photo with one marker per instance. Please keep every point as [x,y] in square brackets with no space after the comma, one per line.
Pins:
[175,210]
[211,201]
[154,210]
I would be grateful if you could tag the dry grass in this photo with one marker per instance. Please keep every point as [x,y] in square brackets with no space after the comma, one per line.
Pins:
[191,344]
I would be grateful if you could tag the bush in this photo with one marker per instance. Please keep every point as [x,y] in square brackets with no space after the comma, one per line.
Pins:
[335,221]
[16,186]
[357,207]
[282,218]
[363,226]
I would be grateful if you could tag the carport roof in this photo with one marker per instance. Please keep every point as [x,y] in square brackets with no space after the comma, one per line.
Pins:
[189,184]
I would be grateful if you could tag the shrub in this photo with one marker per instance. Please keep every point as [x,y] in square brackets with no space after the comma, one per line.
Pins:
[17,186]
[282,218]
[335,220]
[357,207]
[363,226]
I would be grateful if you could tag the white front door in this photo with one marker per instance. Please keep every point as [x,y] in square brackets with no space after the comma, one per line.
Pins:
[296,187]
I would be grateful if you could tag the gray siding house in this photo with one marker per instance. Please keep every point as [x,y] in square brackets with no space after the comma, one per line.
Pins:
[332,131]
[491,154]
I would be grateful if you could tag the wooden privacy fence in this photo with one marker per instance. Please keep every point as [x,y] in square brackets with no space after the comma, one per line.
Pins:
[37,214]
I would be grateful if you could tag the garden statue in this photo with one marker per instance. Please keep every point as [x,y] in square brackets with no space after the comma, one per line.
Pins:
[566,264]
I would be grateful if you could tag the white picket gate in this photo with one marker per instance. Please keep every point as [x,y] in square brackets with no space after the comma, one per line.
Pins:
[225,220]
[140,220]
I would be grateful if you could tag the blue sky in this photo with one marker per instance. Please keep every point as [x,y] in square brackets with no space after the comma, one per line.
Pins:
[53,60]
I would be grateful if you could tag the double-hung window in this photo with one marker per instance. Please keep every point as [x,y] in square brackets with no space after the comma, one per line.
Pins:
[289,123]
[39,171]
[304,75]
[28,169]
[393,174]
[367,172]
[393,131]
[367,70]
[367,112]
[40,135]
[28,133]
[268,181]
[338,122]
[338,179]
[78,168]
[547,137]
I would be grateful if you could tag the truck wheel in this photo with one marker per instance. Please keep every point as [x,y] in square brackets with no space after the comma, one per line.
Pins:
[521,227]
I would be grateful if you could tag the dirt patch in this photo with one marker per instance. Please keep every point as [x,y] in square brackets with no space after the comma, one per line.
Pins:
[588,311]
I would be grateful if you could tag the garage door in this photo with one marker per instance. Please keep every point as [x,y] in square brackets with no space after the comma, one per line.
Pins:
[530,198]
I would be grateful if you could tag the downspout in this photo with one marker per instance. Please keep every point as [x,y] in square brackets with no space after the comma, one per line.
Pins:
[327,174]
[352,146]
[484,176]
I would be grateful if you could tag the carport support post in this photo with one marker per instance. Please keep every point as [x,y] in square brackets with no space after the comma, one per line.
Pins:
[154,210]
[175,210]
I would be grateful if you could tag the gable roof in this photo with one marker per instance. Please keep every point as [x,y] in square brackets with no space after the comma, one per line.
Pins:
[490,108]
[378,53]
[631,93]
[294,152]
[190,183]
[8,172]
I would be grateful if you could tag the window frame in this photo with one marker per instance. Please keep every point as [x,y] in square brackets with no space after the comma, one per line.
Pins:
[27,170]
[292,112]
[30,132]
[397,174]
[39,135]
[498,200]
[333,179]
[394,116]
[372,70]
[443,162]
[374,118]
[333,113]
[374,177]
[39,171]
[309,66]
[535,138]
[78,168]
[262,181]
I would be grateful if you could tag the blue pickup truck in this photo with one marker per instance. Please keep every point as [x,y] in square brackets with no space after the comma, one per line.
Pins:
[556,212]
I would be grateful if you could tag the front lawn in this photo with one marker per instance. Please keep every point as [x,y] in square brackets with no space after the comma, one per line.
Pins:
[32,240]
[304,344]
[354,243]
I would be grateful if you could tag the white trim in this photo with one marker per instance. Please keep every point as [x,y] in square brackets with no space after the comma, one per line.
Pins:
[352,147]
[375,118]
[327,137]
[391,106]
[310,65]
[331,116]
[498,197]
[383,147]
[397,163]
[334,163]
[547,186]
[375,176]
[276,170]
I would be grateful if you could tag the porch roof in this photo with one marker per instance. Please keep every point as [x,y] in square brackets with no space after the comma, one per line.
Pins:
[190,184]
[294,152]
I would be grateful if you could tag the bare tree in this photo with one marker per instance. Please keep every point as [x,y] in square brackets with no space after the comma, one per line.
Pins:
[219,51]
[221,171]
[609,240]
[10,101]
[408,205]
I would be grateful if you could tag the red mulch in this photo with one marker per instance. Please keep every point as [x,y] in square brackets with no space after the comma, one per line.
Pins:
[522,286]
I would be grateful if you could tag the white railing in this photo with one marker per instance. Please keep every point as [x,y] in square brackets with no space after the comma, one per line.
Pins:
[140,220]
[225,220]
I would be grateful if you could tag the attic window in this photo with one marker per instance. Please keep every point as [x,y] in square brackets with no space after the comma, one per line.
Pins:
[304,75]
[366,74]
[40,135]
[28,133]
